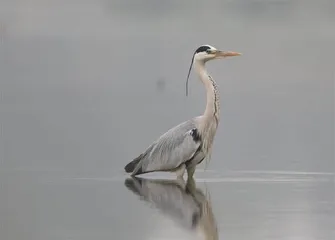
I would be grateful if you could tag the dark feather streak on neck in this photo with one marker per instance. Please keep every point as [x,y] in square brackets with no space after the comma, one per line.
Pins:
[215,99]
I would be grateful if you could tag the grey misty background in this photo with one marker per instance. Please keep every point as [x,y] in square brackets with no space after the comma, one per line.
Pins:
[87,85]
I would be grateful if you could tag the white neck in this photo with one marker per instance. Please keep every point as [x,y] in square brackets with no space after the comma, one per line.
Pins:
[212,106]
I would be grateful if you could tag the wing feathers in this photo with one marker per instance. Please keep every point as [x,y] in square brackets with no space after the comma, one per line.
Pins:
[131,166]
[173,148]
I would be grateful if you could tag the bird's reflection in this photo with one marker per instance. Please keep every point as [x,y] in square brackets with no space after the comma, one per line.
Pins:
[182,202]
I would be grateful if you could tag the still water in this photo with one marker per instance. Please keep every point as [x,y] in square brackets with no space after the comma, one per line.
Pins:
[87,85]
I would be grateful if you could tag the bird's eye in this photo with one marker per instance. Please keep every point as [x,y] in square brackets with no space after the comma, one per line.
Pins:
[208,51]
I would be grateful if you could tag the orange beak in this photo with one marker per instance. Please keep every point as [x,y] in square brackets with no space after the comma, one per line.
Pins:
[226,54]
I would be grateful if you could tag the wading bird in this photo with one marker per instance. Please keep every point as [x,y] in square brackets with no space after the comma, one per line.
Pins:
[189,143]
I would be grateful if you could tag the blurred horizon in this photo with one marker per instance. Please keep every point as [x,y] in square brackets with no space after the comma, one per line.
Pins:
[67,66]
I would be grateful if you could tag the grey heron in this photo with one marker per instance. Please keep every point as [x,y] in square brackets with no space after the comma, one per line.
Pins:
[186,145]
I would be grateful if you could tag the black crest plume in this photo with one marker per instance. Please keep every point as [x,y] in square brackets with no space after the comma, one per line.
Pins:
[188,75]
[200,49]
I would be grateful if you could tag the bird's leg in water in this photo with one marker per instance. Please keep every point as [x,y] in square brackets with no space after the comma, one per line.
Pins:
[180,171]
[190,172]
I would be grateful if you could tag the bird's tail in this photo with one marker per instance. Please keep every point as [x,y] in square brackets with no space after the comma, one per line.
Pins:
[130,167]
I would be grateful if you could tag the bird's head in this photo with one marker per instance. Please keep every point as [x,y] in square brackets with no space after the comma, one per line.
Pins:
[205,53]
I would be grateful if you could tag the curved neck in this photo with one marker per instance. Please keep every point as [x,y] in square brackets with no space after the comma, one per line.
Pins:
[212,105]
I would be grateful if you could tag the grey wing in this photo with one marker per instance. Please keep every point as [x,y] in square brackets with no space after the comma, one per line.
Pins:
[172,149]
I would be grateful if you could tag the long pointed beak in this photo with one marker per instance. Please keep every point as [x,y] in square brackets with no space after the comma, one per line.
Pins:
[227,54]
